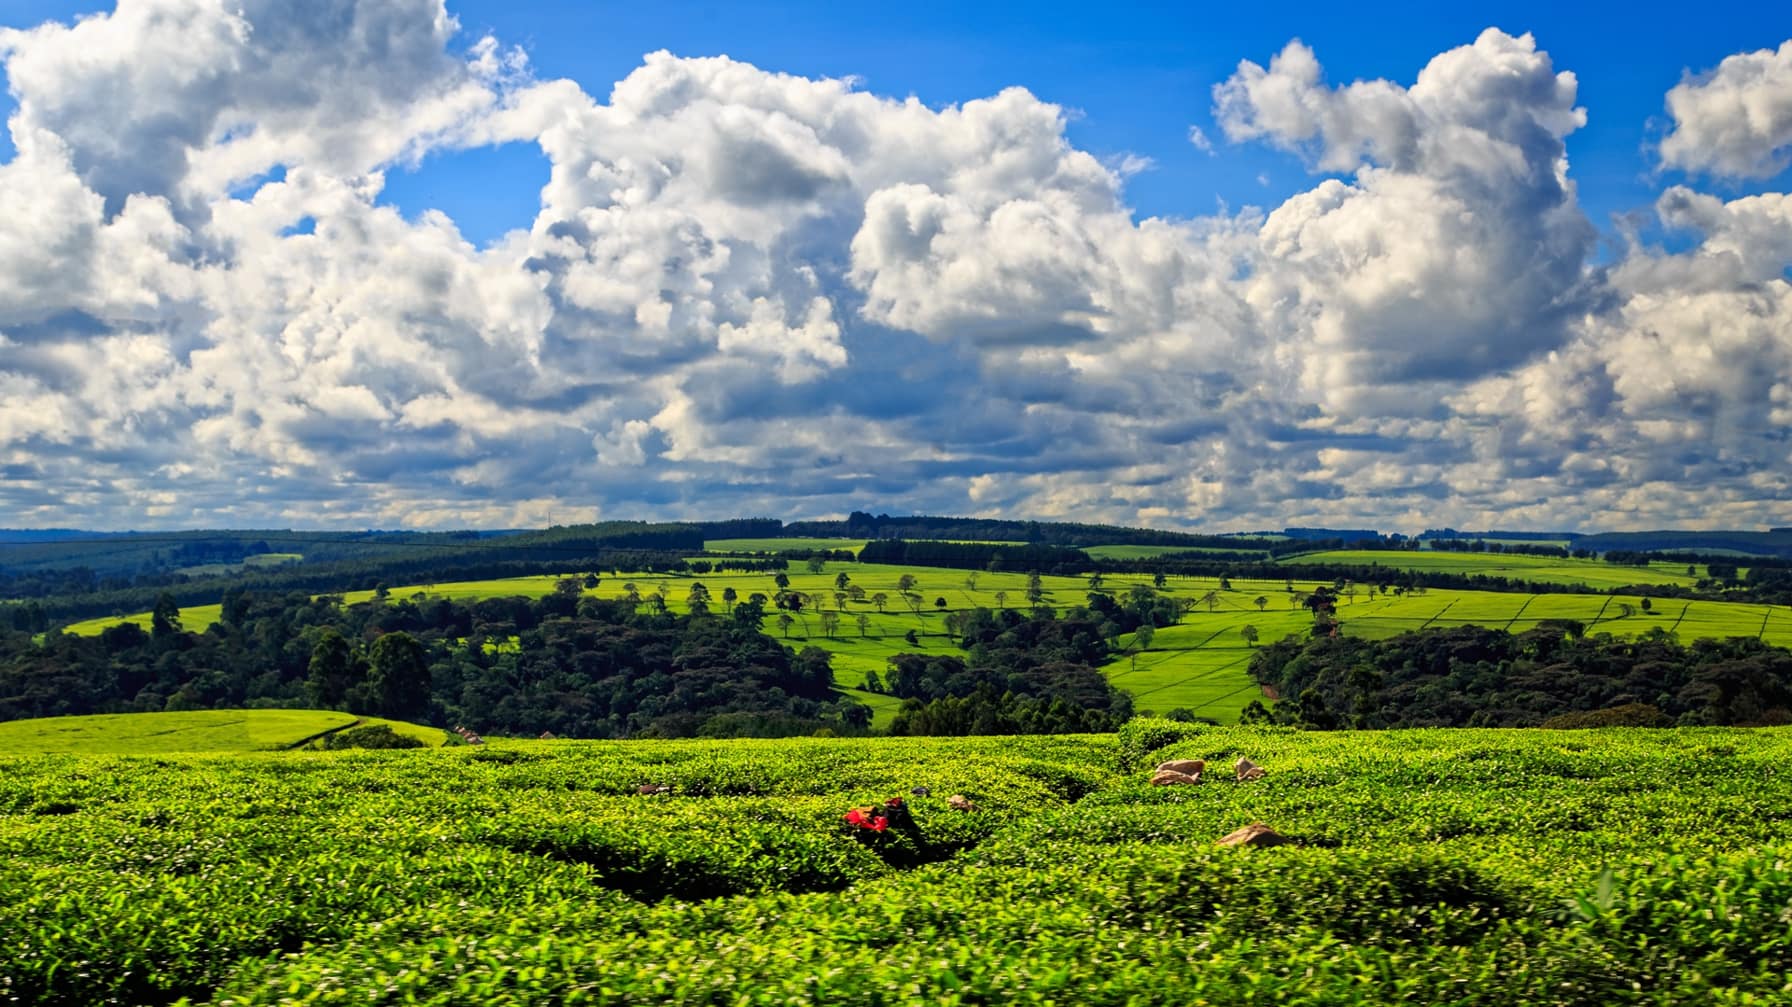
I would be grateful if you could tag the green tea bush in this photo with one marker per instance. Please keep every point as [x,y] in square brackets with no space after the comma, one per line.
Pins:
[1463,867]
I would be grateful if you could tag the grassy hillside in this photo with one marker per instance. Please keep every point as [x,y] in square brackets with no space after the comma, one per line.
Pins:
[1465,867]
[1593,573]
[197,731]
[1199,665]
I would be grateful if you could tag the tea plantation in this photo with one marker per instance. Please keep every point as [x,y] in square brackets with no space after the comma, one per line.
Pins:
[1466,867]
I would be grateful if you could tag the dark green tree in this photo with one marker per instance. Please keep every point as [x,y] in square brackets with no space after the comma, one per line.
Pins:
[398,676]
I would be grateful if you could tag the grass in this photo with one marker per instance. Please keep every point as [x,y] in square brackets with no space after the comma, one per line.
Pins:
[1200,665]
[754,545]
[1593,573]
[1153,551]
[156,733]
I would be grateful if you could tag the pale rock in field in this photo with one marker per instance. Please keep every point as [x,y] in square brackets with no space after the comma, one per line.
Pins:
[1247,770]
[959,802]
[1254,834]
[1166,777]
[1193,767]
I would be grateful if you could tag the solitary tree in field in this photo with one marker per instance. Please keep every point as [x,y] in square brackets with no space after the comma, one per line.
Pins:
[1143,636]
[1647,606]
[729,597]
[970,581]
[840,601]
[880,599]
[697,599]
[1002,600]
[1249,633]
[785,622]
[864,622]
[913,600]
[855,592]
[817,564]
[939,603]
[830,621]
[1095,581]
[841,579]
[1035,589]
[632,595]
[1211,599]
[1158,580]
[1260,602]
[906,583]
[781,579]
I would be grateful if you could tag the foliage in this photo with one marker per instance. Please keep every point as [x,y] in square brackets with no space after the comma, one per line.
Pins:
[1474,676]
[1466,867]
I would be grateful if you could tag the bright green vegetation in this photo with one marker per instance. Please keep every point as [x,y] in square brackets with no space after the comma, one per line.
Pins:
[1153,551]
[1463,867]
[774,545]
[1199,665]
[197,731]
[1594,573]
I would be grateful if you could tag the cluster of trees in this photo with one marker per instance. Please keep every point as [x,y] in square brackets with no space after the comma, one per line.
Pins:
[1553,675]
[1024,674]
[579,667]
[977,556]
[1480,545]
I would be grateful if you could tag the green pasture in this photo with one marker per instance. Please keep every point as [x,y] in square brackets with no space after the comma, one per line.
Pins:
[1199,665]
[1593,573]
[195,731]
[756,545]
[1120,552]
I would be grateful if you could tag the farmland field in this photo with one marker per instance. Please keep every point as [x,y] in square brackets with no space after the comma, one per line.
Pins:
[753,545]
[1153,551]
[196,731]
[1594,573]
[1474,867]
[1199,665]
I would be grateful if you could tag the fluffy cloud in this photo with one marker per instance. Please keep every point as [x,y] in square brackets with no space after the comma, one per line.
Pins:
[1456,248]
[1736,120]
[748,292]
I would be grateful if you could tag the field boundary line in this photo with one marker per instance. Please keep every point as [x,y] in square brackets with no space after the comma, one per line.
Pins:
[1439,615]
[1521,608]
[302,742]
[1762,635]
[1676,626]
[1599,616]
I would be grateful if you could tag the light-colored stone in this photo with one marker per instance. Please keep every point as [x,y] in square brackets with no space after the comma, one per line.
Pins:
[1193,767]
[1254,834]
[1247,770]
[1166,777]
[959,802]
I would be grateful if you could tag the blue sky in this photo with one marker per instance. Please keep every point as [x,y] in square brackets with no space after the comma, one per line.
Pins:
[1139,74]
[1372,303]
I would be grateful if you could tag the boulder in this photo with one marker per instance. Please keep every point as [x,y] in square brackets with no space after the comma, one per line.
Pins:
[959,802]
[1166,777]
[649,789]
[1247,770]
[1254,834]
[1192,767]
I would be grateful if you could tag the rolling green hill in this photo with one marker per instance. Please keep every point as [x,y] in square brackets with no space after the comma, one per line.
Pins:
[1199,665]
[196,731]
